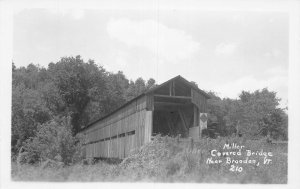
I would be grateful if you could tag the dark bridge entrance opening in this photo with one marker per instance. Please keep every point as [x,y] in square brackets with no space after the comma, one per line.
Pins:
[175,107]
[173,115]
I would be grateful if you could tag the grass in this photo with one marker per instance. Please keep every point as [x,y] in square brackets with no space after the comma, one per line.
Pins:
[165,160]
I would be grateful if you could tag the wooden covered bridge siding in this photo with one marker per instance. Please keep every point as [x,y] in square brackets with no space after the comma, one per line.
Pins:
[171,108]
[120,133]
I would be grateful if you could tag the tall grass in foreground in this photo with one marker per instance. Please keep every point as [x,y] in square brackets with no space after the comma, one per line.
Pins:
[166,160]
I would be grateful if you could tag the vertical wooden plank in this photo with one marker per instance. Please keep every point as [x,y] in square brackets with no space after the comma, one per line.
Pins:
[98,149]
[196,116]
[93,150]
[106,148]
[125,126]
[126,146]
[101,149]
[138,129]
[200,129]
[173,88]
[115,148]
[117,143]
[112,148]
[129,144]
[123,147]
[87,151]
[93,154]
[121,140]
[133,143]
[148,126]
[143,128]
[119,147]
[108,142]
[150,102]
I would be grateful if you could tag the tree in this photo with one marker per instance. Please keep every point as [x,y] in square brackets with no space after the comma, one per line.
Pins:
[217,111]
[252,114]
[150,83]
[135,88]
[85,91]
[116,85]
[13,67]
[194,83]
[274,125]
[54,141]
[138,87]
[256,106]
[28,110]
[71,88]
[74,79]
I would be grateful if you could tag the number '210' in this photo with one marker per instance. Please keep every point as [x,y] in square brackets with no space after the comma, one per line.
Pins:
[234,168]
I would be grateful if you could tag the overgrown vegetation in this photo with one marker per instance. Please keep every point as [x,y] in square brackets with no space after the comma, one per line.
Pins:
[253,115]
[50,105]
[71,87]
[53,141]
[165,160]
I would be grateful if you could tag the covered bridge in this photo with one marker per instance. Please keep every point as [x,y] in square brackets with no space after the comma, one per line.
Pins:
[174,107]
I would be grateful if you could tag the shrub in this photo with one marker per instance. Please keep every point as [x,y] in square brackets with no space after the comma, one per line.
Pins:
[53,141]
[164,159]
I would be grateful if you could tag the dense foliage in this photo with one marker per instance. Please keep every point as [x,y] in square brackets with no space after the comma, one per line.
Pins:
[71,88]
[253,114]
[84,91]
[166,160]
[53,141]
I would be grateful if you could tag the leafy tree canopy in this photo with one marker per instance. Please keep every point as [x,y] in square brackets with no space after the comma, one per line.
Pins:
[84,91]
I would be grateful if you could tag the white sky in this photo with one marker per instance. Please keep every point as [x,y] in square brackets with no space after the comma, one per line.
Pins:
[223,51]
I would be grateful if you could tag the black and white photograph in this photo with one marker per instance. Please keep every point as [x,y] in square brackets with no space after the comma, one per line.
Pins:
[150,91]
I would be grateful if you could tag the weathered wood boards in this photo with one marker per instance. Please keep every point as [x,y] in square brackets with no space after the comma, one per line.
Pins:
[121,133]
[199,100]
[131,126]
[148,126]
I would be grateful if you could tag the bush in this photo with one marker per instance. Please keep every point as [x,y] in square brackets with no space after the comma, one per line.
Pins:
[53,141]
[164,159]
